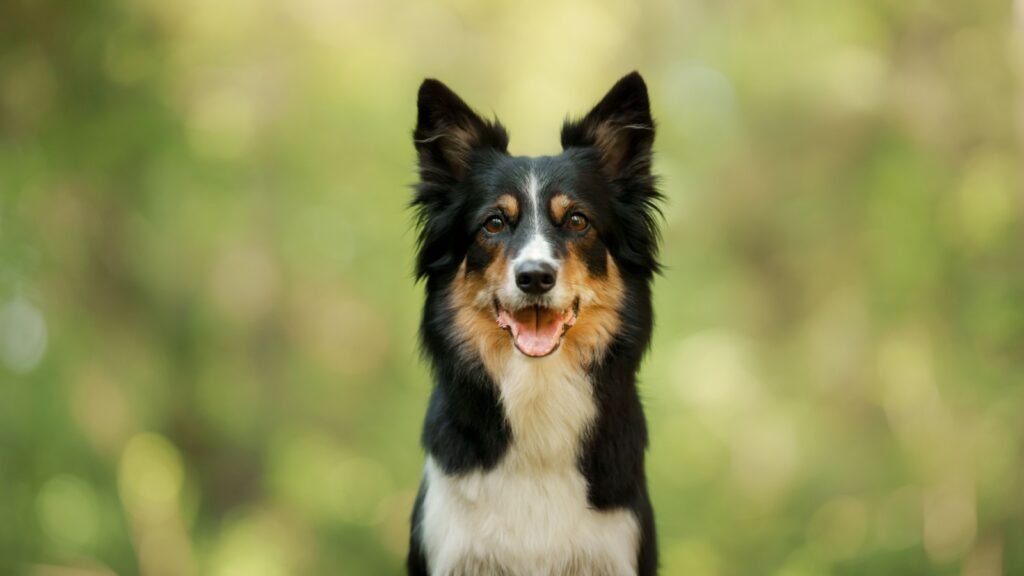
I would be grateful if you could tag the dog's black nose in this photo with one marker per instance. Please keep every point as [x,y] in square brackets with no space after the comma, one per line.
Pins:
[535,276]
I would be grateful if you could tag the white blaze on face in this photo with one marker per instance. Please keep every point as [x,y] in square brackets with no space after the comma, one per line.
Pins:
[536,324]
[537,247]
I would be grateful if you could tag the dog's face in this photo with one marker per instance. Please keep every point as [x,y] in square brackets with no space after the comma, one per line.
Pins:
[536,254]
[537,262]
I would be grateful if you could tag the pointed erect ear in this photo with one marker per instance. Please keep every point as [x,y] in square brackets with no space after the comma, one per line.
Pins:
[448,132]
[620,128]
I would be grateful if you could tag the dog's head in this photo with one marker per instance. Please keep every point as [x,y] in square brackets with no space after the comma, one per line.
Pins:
[536,253]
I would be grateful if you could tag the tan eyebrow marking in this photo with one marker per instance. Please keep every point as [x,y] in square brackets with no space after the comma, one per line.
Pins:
[560,204]
[509,206]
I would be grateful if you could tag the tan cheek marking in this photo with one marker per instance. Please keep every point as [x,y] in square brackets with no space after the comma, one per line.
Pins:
[475,321]
[601,299]
[509,205]
[559,206]
[477,326]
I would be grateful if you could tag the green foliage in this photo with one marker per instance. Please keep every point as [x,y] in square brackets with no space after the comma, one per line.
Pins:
[207,312]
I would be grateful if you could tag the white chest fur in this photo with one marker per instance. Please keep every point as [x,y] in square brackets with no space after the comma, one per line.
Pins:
[529,515]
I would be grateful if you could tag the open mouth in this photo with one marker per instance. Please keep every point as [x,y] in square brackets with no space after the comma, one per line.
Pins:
[536,330]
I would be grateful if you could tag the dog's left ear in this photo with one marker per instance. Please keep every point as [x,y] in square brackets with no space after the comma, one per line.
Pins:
[621,131]
[620,128]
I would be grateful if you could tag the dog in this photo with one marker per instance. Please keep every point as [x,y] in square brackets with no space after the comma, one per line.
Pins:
[537,275]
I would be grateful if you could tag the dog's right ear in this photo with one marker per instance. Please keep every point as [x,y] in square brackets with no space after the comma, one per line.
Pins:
[448,132]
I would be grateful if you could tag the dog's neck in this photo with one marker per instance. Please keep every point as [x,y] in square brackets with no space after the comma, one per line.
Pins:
[549,405]
[565,408]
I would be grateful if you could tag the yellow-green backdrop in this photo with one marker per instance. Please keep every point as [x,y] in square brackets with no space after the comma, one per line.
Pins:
[208,359]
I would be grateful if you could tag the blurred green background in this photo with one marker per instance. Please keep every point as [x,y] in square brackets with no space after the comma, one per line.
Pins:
[208,360]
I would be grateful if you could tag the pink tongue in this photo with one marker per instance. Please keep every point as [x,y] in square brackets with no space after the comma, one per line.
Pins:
[536,331]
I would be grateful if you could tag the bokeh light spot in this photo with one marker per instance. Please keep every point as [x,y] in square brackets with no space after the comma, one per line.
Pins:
[151,476]
[23,336]
[69,512]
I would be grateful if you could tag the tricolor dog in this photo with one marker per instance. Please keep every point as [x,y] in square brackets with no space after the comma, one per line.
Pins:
[538,312]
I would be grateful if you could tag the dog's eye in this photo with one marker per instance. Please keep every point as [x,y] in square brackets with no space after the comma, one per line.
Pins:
[577,222]
[494,225]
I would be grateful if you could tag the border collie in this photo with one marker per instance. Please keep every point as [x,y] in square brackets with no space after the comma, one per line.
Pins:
[537,315]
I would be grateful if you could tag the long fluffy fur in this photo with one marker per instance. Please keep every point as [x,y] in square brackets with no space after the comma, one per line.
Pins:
[474,429]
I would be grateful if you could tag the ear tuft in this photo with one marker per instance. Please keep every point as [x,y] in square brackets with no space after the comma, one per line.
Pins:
[619,127]
[448,131]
